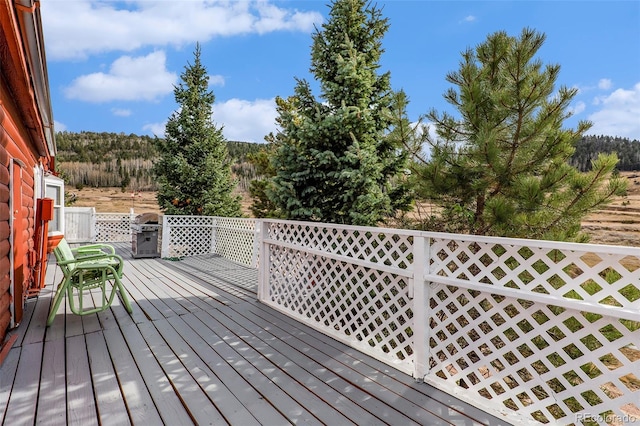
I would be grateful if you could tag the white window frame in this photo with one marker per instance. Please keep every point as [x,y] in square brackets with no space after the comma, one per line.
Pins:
[54,188]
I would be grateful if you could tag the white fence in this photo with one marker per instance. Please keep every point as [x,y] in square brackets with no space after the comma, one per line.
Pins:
[114,227]
[232,238]
[80,224]
[533,331]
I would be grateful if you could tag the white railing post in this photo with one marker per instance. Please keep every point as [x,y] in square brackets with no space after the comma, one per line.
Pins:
[132,219]
[214,230]
[166,236]
[263,270]
[256,243]
[420,308]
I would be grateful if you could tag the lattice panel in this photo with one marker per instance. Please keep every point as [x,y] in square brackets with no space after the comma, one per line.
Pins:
[188,236]
[553,364]
[387,247]
[113,227]
[368,309]
[564,271]
[235,239]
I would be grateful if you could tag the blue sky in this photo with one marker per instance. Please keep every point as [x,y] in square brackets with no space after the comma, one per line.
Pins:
[113,64]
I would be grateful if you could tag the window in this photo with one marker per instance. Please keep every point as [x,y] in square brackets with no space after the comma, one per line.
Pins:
[54,189]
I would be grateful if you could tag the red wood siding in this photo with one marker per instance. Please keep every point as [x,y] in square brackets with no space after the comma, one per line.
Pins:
[26,142]
[14,145]
[5,244]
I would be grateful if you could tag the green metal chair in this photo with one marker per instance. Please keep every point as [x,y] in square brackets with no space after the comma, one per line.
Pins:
[86,268]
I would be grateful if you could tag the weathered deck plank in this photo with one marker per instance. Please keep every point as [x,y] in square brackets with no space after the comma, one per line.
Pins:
[24,394]
[244,362]
[52,398]
[7,376]
[233,380]
[193,358]
[81,407]
[154,381]
[111,406]
[140,405]
[199,349]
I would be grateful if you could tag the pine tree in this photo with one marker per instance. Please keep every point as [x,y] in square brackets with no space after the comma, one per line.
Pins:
[193,170]
[333,161]
[501,167]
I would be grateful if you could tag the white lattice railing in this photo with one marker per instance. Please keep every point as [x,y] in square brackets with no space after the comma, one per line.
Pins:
[536,331]
[232,238]
[539,332]
[114,227]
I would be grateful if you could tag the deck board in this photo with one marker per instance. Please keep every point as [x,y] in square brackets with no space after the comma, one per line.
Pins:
[140,403]
[81,407]
[52,407]
[199,349]
[111,406]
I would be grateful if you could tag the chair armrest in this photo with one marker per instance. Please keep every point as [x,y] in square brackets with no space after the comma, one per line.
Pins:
[91,248]
[90,259]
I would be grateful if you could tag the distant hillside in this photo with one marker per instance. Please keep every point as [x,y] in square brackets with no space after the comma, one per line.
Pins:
[590,146]
[119,160]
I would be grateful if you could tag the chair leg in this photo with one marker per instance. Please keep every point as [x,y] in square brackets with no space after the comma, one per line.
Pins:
[57,299]
[123,296]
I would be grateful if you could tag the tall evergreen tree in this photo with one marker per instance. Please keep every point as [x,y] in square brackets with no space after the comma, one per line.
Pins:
[193,170]
[333,161]
[501,167]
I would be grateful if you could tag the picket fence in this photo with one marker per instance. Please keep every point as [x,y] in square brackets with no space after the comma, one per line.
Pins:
[531,331]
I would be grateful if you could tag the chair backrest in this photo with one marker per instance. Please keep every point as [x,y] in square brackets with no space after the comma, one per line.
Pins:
[63,252]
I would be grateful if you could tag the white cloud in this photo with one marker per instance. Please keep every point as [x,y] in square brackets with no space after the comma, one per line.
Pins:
[577,108]
[604,84]
[129,79]
[246,121]
[619,114]
[126,26]
[156,129]
[242,120]
[216,80]
[119,112]
[58,126]
[469,18]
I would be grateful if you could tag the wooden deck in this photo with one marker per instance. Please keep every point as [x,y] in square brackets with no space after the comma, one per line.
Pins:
[199,349]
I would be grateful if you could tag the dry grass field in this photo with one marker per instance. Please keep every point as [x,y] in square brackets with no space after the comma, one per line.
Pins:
[618,224]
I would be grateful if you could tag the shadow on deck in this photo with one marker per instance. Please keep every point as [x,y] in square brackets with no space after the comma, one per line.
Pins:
[199,349]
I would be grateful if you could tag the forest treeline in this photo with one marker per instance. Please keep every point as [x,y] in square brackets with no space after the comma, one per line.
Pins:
[589,147]
[121,160]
